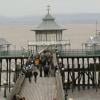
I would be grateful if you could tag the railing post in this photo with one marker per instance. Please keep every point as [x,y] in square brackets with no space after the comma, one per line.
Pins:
[9,74]
[73,75]
[0,71]
[5,88]
[7,71]
[95,79]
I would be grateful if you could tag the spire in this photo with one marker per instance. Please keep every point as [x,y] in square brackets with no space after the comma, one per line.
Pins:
[48,9]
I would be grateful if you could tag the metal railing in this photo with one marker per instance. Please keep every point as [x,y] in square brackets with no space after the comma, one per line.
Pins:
[79,52]
[17,87]
[14,53]
[60,91]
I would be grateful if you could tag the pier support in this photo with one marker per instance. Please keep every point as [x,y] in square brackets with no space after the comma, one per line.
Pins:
[15,74]
[7,71]
[88,74]
[73,75]
[9,74]
[0,71]
[99,75]
[78,73]
[95,77]
[83,72]
[68,79]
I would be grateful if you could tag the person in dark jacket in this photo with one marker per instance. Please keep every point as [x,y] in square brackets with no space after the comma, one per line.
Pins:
[35,73]
[46,70]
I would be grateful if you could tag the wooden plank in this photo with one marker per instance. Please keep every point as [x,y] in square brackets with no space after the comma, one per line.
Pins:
[43,89]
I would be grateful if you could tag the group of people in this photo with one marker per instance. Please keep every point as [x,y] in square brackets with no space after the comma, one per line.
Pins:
[41,63]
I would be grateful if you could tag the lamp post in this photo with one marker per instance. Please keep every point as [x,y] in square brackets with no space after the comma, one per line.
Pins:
[65,89]
[5,88]
[63,75]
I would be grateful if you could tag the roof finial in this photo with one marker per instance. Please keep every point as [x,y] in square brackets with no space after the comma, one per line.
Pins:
[48,9]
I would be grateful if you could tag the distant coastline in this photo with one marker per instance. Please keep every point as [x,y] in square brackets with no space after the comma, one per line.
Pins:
[79,18]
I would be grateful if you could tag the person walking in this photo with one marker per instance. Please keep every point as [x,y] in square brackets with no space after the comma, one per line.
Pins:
[29,72]
[35,73]
[37,61]
[46,70]
[43,62]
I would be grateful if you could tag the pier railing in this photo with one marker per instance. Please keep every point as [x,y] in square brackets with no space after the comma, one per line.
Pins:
[14,53]
[78,52]
[17,87]
[60,91]
[69,52]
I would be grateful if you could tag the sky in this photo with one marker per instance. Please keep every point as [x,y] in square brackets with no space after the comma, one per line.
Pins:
[13,8]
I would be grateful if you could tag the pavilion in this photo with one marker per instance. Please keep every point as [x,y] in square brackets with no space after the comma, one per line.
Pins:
[48,35]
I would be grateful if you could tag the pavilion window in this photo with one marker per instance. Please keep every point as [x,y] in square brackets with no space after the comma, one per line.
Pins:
[44,37]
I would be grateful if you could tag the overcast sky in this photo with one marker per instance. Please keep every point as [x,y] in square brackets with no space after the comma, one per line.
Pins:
[38,7]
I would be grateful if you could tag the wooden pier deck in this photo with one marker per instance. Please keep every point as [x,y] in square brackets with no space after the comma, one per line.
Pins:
[44,89]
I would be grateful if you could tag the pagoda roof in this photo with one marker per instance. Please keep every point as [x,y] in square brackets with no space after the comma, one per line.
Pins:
[48,23]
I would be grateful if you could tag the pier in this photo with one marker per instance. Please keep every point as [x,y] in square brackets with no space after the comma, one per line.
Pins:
[17,58]
[81,72]
[50,88]
[81,69]
[71,71]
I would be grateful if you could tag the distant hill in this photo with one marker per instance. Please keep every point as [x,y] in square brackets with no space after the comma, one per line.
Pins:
[87,18]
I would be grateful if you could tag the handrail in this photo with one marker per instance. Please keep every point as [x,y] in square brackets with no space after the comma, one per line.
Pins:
[17,87]
[14,53]
[60,91]
[79,52]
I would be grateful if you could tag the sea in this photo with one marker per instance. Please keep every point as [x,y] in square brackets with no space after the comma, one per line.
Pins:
[20,35]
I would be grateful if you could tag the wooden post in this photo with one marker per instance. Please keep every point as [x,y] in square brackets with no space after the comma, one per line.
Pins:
[99,75]
[83,73]
[21,63]
[0,71]
[68,79]
[73,75]
[15,77]
[9,74]
[88,73]
[78,73]
[95,78]
[7,71]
